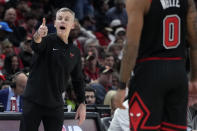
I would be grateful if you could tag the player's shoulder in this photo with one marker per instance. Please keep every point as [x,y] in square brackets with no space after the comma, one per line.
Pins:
[142,5]
[142,2]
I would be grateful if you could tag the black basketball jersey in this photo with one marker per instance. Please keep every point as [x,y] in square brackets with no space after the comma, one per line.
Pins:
[164,30]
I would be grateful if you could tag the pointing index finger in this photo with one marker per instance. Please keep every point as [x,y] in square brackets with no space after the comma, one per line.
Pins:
[43,21]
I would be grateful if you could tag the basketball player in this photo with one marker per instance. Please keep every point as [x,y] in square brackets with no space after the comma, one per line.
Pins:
[155,51]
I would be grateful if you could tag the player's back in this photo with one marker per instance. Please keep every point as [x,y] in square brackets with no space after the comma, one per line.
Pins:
[164,29]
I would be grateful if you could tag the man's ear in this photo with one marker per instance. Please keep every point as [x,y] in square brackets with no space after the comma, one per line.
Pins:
[54,23]
[73,25]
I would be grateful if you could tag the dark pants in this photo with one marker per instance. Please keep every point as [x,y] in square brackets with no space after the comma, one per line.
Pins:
[158,96]
[33,114]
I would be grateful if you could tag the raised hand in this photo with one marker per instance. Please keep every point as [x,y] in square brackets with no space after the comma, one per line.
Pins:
[43,30]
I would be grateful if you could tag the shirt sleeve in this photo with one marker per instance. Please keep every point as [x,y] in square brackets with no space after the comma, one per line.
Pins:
[39,47]
[78,81]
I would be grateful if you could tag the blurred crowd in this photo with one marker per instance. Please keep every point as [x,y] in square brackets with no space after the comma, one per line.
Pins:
[99,33]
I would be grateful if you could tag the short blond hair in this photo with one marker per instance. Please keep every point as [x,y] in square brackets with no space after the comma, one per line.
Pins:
[64,9]
[109,96]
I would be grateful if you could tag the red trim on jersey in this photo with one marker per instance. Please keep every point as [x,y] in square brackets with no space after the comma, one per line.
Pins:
[174,126]
[166,129]
[158,58]
[150,1]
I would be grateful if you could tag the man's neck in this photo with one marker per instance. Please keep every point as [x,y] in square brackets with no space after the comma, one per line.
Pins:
[64,38]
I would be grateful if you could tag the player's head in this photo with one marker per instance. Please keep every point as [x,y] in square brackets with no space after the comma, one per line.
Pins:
[64,21]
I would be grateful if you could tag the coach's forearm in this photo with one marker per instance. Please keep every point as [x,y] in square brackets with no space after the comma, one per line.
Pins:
[37,38]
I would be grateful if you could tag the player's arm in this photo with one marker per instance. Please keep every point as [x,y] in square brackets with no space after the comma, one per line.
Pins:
[136,10]
[192,37]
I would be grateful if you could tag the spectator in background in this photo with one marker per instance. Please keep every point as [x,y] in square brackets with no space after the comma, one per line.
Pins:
[10,16]
[16,89]
[91,45]
[90,95]
[79,35]
[109,60]
[2,80]
[116,50]
[38,10]
[5,84]
[2,61]
[7,47]
[83,8]
[30,24]
[109,100]
[115,24]
[192,118]
[85,77]
[100,13]
[111,3]
[21,9]
[89,23]
[103,84]
[2,9]
[61,3]
[104,36]
[19,34]
[120,34]
[50,18]
[70,98]
[12,64]
[118,12]
[26,54]
[120,120]
[91,69]
[75,34]
[192,110]
[5,31]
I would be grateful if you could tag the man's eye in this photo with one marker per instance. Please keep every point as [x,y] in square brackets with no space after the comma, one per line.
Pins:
[59,18]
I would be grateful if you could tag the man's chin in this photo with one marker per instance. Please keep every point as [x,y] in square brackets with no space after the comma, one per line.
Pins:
[61,32]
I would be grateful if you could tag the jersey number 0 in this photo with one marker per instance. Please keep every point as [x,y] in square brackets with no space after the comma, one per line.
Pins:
[171,31]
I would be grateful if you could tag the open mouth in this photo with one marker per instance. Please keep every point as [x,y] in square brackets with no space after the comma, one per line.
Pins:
[62,28]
